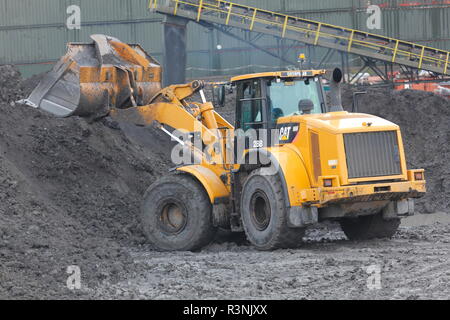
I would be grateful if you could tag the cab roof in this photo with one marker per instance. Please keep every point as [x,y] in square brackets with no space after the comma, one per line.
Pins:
[280,74]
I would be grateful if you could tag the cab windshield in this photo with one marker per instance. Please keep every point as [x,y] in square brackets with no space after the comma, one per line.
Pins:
[284,96]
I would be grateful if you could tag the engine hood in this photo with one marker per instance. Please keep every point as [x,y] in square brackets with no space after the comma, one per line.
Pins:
[343,122]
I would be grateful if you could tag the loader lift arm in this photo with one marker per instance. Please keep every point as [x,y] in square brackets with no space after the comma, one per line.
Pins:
[169,108]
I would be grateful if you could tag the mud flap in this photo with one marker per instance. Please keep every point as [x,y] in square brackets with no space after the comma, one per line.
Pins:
[399,208]
[299,217]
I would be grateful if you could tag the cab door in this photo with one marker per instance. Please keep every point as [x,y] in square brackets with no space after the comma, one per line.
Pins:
[252,113]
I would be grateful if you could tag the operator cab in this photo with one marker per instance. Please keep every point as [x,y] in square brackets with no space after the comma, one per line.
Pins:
[263,98]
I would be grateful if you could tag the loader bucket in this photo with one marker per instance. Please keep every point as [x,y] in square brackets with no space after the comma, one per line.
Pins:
[94,77]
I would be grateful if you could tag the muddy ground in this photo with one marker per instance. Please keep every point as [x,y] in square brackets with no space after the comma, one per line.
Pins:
[70,194]
[413,265]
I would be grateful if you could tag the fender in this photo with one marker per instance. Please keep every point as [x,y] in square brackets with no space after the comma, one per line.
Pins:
[289,165]
[214,187]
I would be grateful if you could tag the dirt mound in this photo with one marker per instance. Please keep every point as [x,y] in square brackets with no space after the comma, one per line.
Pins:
[10,84]
[424,120]
[69,195]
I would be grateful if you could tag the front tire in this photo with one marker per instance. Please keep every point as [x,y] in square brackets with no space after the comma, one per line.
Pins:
[264,213]
[176,214]
[369,227]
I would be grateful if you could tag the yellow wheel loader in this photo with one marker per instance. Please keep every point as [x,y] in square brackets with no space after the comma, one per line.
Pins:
[290,161]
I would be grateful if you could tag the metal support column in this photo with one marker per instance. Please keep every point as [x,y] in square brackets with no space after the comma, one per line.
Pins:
[174,43]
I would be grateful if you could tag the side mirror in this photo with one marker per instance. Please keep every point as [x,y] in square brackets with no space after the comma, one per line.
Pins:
[305,106]
[219,96]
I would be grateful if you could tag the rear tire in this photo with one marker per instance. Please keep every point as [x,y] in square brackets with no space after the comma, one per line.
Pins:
[264,213]
[176,214]
[369,227]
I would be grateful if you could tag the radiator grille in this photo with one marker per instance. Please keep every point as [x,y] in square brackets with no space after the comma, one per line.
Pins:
[372,154]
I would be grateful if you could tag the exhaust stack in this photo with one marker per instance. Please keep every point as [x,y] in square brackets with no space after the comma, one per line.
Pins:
[335,92]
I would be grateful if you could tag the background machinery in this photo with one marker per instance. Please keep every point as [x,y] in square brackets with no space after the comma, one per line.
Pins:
[290,161]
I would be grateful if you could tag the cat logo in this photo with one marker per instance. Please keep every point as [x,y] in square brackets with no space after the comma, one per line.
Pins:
[287,132]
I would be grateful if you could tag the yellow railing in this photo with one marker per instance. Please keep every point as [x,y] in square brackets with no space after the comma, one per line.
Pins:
[314,29]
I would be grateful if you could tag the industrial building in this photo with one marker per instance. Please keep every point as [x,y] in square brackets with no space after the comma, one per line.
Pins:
[34,34]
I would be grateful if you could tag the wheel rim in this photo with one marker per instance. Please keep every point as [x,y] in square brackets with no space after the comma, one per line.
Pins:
[260,210]
[173,218]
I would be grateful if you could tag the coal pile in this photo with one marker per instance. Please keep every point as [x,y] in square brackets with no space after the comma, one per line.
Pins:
[10,84]
[424,119]
[69,195]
